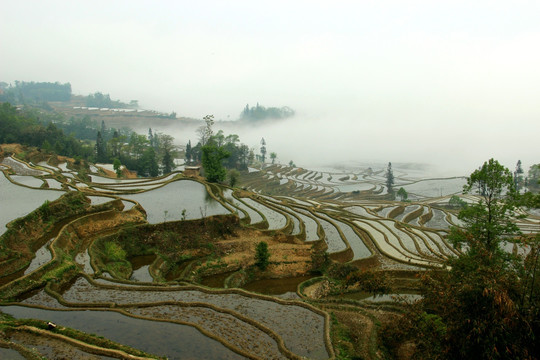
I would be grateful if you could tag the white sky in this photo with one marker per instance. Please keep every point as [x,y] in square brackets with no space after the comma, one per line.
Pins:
[455,82]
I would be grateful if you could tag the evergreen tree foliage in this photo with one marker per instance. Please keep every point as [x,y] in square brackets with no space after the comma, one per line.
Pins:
[390,179]
[259,112]
[263,150]
[262,255]
[36,92]
[101,148]
[188,153]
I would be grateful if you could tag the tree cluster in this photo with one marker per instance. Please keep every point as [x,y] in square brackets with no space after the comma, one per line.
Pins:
[259,112]
[148,155]
[218,153]
[100,100]
[25,127]
[36,92]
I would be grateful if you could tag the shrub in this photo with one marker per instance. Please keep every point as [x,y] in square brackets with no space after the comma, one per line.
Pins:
[262,255]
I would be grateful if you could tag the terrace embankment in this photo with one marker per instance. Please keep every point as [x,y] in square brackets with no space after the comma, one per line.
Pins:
[27,234]
[219,243]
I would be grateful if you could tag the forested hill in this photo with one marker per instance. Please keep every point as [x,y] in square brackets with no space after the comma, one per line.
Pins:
[27,127]
[259,112]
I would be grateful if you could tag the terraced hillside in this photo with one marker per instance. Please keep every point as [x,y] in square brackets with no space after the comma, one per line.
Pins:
[137,260]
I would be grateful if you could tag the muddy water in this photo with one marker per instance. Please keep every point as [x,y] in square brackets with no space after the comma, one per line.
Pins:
[84,260]
[216,281]
[140,266]
[276,286]
[43,256]
[160,338]
[301,329]
[10,354]
[232,330]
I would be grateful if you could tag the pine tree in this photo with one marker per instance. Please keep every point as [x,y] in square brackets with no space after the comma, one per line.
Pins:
[263,148]
[390,179]
[188,152]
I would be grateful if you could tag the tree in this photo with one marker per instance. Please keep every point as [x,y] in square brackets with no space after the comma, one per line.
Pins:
[533,179]
[117,166]
[188,153]
[101,148]
[212,155]
[263,150]
[149,164]
[390,179]
[402,193]
[480,300]
[168,162]
[456,202]
[164,146]
[205,132]
[518,175]
[262,255]
[233,177]
[487,221]
[273,156]
[243,156]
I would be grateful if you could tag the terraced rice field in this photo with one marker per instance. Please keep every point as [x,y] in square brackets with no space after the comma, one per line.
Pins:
[346,213]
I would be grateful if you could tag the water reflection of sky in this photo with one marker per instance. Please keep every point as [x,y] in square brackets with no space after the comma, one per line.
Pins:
[17,201]
[168,202]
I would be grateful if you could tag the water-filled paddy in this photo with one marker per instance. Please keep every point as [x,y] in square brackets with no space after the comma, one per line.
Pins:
[168,202]
[141,268]
[275,219]
[311,226]
[54,184]
[332,237]
[21,168]
[228,195]
[98,200]
[232,330]
[436,187]
[21,200]
[358,247]
[301,329]
[43,255]
[27,180]
[161,338]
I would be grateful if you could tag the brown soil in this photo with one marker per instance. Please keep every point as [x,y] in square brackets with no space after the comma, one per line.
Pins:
[286,259]
[11,148]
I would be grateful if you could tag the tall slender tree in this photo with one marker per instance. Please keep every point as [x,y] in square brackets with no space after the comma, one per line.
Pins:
[390,179]
[263,148]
